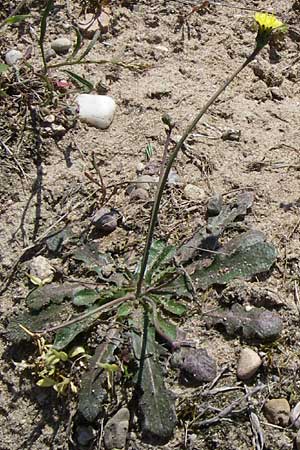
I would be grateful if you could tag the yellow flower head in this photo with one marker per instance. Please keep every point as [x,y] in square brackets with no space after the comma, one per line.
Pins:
[267,23]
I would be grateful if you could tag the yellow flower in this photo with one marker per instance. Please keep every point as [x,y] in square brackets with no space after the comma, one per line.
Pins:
[267,23]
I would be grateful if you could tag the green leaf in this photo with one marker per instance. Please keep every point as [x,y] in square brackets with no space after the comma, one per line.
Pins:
[82,82]
[167,327]
[149,151]
[125,309]
[85,297]
[93,395]
[43,29]
[3,68]
[66,335]
[46,382]
[50,293]
[243,257]
[160,254]
[58,239]
[16,19]
[92,258]
[156,405]
[174,307]
[77,350]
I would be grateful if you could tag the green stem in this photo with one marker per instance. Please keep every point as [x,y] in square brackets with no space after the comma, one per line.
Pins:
[164,178]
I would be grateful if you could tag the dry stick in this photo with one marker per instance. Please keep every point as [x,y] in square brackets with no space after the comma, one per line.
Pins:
[226,411]
[172,158]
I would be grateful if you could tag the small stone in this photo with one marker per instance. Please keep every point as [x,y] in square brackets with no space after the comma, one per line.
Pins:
[85,434]
[104,19]
[116,429]
[90,26]
[248,365]
[231,135]
[40,267]
[196,366]
[194,193]
[106,220]
[139,168]
[49,54]
[96,110]
[139,195]
[297,441]
[277,93]
[49,119]
[173,177]
[58,129]
[12,57]
[214,205]
[277,411]
[61,45]
[295,416]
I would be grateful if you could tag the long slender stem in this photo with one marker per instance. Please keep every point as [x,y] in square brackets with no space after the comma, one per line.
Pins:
[171,160]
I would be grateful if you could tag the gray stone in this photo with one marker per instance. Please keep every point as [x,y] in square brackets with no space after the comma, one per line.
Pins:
[49,54]
[196,366]
[248,365]
[12,57]
[85,434]
[214,205]
[116,429]
[277,411]
[61,45]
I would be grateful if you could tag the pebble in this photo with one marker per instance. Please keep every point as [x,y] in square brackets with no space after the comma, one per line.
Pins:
[173,177]
[96,110]
[116,429]
[196,366]
[295,416]
[195,193]
[139,195]
[85,434]
[41,268]
[90,26]
[61,45]
[49,54]
[277,411]
[140,167]
[277,93]
[248,365]
[214,205]
[106,220]
[12,57]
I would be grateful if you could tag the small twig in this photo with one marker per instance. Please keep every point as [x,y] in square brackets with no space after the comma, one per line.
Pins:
[228,410]
[297,300]
[102,184]
[7,149]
